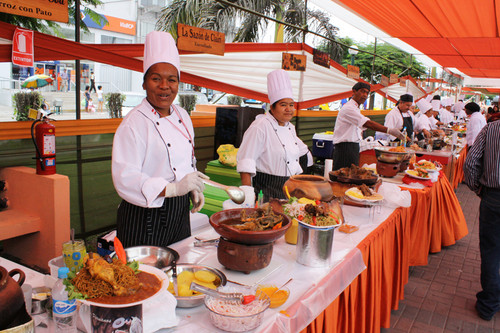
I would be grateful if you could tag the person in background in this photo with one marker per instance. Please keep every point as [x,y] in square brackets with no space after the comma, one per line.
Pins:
[445,113]
[153,160]
[64,81]
[100,99]
[91,106]
[458,106]
[492,115]
[423,126]
[87,98]
[349,126]
[482,175]
[436,106]
[69,80]
[271,151]
[401,117]
[476,122]
[92,81]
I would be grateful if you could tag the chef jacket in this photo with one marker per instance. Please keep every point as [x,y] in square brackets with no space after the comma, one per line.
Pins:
[461,115]
[349,124]
[149,152]
[423,122]
[459,106]
[474,126]
[446,116]
[433,123]
[394,119]
[269,148]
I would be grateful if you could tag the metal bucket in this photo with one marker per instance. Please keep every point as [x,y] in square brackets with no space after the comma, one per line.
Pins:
[314,245]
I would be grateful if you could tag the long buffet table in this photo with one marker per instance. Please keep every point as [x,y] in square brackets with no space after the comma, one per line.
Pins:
[369,272]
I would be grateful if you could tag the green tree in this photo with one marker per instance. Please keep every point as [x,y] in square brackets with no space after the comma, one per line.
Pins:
[365,60]
[210,14]
[51,27]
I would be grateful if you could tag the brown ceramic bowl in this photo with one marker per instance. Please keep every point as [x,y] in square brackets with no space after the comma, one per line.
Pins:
[309,186]
[231,216]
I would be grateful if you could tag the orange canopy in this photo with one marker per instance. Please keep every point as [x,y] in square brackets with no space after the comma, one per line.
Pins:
[463,34]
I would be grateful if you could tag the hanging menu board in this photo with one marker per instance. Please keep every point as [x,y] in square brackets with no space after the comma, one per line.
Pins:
[293,62]
[394,78]
[50,10]
[353,72]
[384,80]
[200,40]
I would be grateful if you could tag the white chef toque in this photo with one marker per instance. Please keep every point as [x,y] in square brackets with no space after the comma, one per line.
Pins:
[447,102]
[436,104]
[424,106]
[279,86]
[160,47]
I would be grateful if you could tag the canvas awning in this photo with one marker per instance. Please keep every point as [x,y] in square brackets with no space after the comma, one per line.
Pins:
[461,34]
[395,90]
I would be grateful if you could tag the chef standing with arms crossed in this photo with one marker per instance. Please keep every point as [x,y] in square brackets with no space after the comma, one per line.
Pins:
[270,150]
[349,126]
[153,162]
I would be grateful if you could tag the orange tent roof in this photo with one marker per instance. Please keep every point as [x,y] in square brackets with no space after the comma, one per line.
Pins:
[455,33]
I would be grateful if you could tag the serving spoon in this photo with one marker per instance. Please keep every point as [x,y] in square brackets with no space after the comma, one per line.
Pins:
[236,194]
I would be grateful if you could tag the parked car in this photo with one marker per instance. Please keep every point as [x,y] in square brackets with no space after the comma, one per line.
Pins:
[254,103]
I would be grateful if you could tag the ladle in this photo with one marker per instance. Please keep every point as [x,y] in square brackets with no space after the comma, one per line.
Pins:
[235,193]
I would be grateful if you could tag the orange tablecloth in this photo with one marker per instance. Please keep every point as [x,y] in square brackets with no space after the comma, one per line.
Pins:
[435,219]
[458,169]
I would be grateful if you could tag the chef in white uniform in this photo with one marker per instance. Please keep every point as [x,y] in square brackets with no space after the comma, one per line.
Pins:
[401,117]
[436,106]
[423,125]
[270,151]
[445,114]
[349,126]
[476,122]
[153,162]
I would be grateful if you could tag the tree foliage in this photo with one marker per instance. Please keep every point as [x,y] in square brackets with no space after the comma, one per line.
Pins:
[212,15]
[365,61]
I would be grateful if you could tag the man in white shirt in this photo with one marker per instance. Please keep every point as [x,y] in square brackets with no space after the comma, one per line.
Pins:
[459,106]
[350,124]
[401,117]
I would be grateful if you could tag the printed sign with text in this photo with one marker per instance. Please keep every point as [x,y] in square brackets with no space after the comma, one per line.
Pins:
[200,40]
[50,10]
[353,72]
[394,78]
[384,80]
[22,47]
[321,58]
[293,62]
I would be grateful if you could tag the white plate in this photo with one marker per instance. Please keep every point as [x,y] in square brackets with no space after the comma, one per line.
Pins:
[145,268]
[362,200]
[415,176]
[436,169]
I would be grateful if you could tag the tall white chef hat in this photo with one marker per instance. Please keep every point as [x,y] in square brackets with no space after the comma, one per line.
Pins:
[424,106]
[428,98]
[160,47]
[279,86]
[436,104]
[447,102]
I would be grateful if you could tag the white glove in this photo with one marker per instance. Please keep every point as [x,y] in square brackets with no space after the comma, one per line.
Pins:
[198,200]
[191,182]
[395,132]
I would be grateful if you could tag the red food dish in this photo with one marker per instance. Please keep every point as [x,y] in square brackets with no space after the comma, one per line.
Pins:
[222,219]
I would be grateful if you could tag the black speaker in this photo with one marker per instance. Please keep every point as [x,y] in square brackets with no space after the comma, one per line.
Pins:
[231,123]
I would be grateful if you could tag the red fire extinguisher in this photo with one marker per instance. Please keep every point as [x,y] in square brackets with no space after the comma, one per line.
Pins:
[44,139]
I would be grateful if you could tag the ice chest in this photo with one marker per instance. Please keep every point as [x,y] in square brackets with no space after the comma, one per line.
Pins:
[322,145]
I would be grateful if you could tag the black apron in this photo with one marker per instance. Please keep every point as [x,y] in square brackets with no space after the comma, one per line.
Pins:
[154,226]
[345,154]
[408,123]
[271,186]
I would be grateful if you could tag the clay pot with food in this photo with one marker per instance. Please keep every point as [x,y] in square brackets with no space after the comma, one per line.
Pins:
[309,186]
[11,295]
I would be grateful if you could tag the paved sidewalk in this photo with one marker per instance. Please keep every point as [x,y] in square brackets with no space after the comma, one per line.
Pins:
[440,297]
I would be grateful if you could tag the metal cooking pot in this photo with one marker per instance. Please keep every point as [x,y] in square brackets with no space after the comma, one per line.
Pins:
[11,295]
[386,156]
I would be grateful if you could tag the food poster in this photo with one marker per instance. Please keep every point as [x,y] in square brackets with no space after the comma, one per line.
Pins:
[116,320]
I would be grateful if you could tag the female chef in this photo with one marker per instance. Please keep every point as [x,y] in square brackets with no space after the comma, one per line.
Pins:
[153,162]
[270,150]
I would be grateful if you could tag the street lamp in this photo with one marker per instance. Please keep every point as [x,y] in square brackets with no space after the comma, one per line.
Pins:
[353,50]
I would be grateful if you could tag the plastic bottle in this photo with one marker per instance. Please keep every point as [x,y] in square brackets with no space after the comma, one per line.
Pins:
[403,142]
[260,199]
[64,310]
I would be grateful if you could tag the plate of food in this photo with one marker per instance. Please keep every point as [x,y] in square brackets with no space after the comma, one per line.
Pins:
[314,214]
[418,173]
[363,194]
[354,175]
[427,166]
